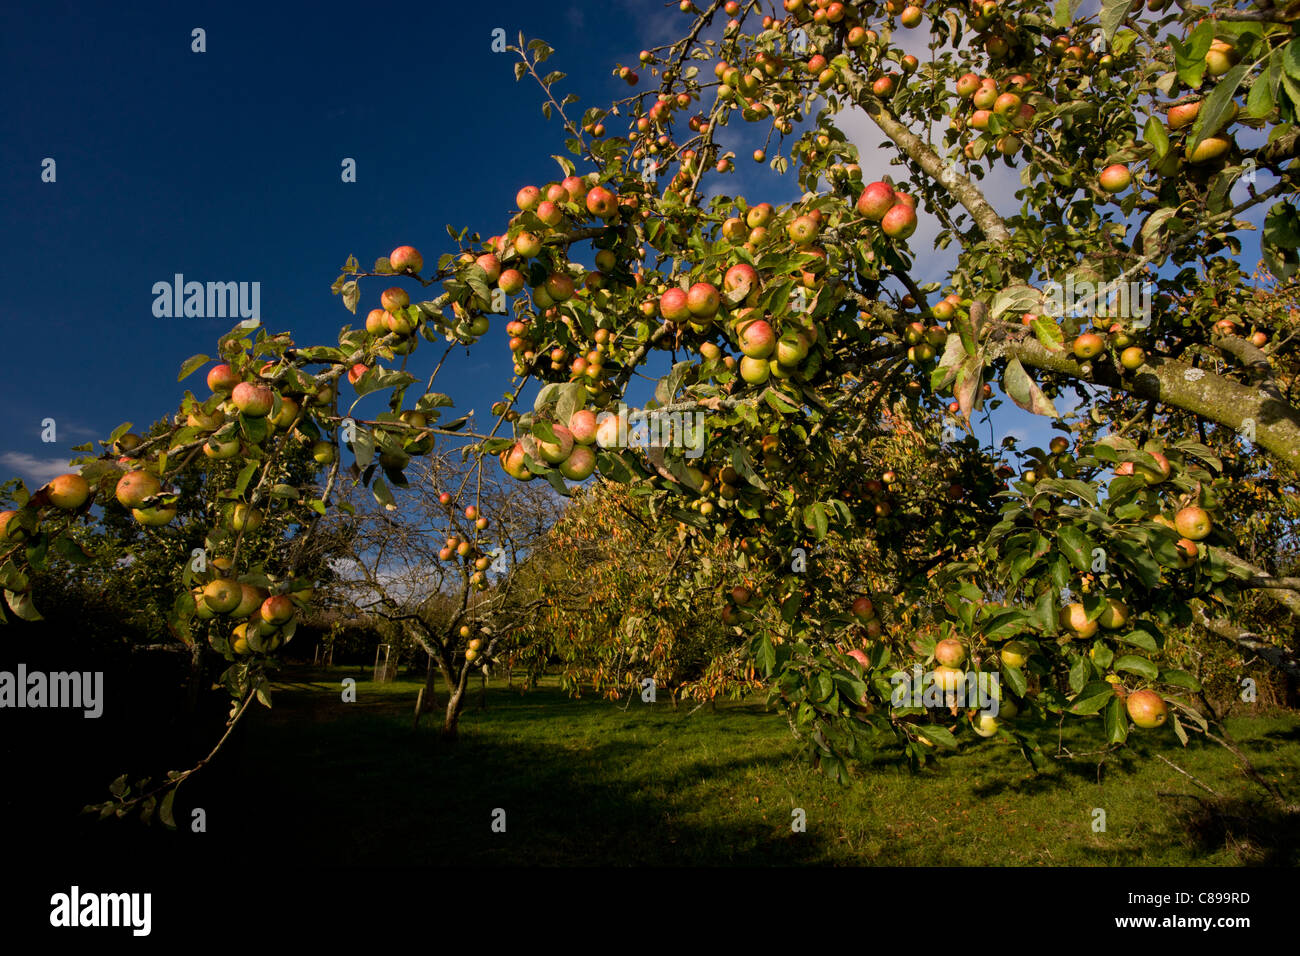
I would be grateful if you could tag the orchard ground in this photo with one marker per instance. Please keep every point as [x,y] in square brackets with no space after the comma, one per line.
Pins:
[589,781]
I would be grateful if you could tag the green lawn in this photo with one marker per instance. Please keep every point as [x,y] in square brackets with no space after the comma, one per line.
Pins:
[588,781]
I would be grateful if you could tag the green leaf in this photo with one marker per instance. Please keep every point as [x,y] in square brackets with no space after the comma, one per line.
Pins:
[1154,134]
[382,493]
[363,447]
[936,734]
[1048,333]
[1259,102]
[1181,679]
[351,295]
[165,809]
[1142,639]
[1015,679]
[22,605]
[1113,13]
[190,365]
[1074,544]
[814,518]
[1137,665]
[1092,698]
[1116,720]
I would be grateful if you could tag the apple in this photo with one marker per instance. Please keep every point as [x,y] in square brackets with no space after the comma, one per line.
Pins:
[254,401]
[128,442]
[580,463]
[153,517]
[759,215]
[862,609]
[1153,476]
[406,259]
[394,299]
[559,287]
[377,322]
[222,595]
[968,85]
[608,429]
[527,245]
[860,657]
[1115,178]
[1088,345]
[244,517]
[1208,149]
[1193,522]
[755,371]
[250,600]
[68,492]
[803,230]
[1132,358]
[277,610]
[899,222]
[582,425]
[1183,115]
[555,452]
[134,487]
[1147,709]
[949,652]
[876,200]
[791,349]
[323,453]
[883,86]
[1220,58]
[511,282]
[757,339]
[222,378]
[910,17]
[1074,618]
[1059,445]
[1115,615]
[672,305]
[356,371]
[602,203]
[221,450]
[1015,653]
[703,300]
[740,282]
[986,725]
[948,679]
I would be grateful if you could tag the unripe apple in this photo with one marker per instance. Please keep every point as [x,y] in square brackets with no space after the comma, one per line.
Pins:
[1220,58]
[68,492]
[221,450]
[1115,178]
[323,453]
[406,259]
[1153,476]
[377,322]
[1147,709]
[243,517]
[134,487]
[153,517]
[222,595]
[559,287]
[254,401]
[222,378]
[899,222]
[1132,357]
[948,679]
[250,600]
[755,371]
[803,230]
[1015,653]
[759,215]
[1115,615]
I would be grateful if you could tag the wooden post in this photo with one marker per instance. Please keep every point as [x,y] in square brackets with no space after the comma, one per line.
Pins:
[419,709]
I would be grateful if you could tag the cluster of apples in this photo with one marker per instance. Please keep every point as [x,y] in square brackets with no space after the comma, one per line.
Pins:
[264,617]
[468,552]
[999,112]
[570,452]
[396,316]
[738,599]
[66,493]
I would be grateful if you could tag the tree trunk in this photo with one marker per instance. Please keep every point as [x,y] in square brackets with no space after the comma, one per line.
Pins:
[430,677]
[451,724]
[196,679]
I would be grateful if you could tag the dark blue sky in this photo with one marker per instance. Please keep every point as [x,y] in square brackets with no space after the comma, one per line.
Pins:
[225,166]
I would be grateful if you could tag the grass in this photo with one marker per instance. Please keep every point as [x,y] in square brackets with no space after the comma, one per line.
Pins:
[588,781]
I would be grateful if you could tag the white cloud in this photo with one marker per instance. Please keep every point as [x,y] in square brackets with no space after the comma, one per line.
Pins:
[37,471]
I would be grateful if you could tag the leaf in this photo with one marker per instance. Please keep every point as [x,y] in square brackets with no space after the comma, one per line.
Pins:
[1214,109]
[668,386]
[814,518]
[1154,134]
[1116,720]
[1015,679]
[936,734]
[363,447]
[1113,13]
[1024,391]
[967,384]
[740,460]
[190,365]
[165,809]
[1142,639]
[351,295]
[22,605]
[1181,679]
[1137,665]
[1074,544]
[1017,299]
[382,493]
[245,476]
[1092,698]
[1048,333]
